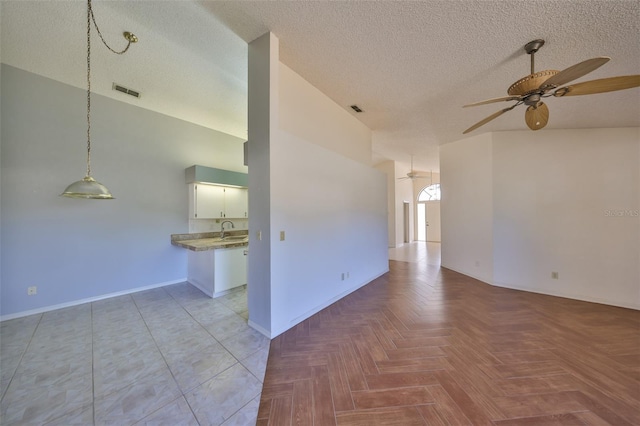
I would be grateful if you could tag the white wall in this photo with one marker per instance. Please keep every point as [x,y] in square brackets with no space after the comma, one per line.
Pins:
[565,201]
[557,200]
[398,191]
[329,203]
[75,250]
[404,193]
[333,212]
[389,169]
[333,128]
[466,209]
[0,159]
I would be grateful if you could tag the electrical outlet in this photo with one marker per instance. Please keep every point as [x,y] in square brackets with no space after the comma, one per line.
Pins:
[281,235]
[259,235]
[554,275]
[347,275]
[342,276]
[32,291]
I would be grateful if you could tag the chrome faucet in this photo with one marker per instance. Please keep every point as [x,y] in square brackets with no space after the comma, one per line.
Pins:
[222,227]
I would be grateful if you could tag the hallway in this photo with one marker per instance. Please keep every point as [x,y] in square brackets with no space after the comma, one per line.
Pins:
[417,252]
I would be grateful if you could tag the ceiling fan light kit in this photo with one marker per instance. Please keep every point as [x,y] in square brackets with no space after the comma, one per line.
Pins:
[531,89]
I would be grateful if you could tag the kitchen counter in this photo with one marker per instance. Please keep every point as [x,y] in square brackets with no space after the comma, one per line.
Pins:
[210,240]
[215,265]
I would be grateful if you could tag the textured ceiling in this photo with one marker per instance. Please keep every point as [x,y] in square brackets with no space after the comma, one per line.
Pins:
[410,65]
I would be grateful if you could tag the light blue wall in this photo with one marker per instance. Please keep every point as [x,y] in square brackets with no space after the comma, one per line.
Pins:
[80,249]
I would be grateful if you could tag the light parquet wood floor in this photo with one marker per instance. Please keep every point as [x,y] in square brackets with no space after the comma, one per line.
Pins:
[425,345]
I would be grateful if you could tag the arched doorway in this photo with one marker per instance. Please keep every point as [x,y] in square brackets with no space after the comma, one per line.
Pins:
[428,213]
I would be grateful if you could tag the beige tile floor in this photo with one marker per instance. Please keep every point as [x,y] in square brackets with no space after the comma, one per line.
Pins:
[167,356]
[427,253]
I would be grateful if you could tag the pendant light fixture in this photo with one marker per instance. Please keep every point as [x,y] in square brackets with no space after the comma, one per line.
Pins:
[89,187]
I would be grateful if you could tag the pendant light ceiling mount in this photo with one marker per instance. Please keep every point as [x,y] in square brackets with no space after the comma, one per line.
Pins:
[88,187]
[130,37]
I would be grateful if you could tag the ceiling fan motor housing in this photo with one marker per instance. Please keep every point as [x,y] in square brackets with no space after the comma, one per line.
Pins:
[531,83]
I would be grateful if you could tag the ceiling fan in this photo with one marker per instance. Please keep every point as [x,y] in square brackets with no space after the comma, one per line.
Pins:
[531,89]
[413,174]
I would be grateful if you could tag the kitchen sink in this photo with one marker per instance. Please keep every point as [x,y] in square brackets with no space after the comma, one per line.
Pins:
[235,238]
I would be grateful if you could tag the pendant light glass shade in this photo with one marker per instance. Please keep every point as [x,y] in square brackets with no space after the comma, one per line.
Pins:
[87,188]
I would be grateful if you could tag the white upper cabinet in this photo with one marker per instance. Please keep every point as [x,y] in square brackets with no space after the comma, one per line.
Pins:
[214,202]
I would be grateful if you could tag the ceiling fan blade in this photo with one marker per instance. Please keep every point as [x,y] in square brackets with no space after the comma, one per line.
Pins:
[575,71]
[537,116]
[602,85]
[488,119]
[490,101]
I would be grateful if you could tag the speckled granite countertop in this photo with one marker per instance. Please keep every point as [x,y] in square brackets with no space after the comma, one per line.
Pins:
[210,240]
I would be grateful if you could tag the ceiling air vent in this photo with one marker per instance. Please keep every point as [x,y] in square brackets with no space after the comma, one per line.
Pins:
[123,89]
[356,108]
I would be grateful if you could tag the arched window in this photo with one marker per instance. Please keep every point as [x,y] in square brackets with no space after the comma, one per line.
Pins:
[430,193]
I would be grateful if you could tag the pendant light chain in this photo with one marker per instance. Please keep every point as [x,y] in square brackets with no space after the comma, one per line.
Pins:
[93,18]
[90,18]
[89,13]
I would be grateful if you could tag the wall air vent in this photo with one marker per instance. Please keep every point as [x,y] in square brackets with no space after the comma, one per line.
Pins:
[123,89]
[356,108]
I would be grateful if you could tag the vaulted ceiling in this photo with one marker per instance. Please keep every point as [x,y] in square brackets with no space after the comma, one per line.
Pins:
[410,65]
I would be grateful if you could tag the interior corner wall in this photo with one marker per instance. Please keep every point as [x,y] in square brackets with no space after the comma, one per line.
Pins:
[263,69]
[466,207]
[76,250]
[328,207]
[533,203]
[389,169]
[567,201]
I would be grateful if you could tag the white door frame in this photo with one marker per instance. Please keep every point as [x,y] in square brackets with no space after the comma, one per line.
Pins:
[433,221]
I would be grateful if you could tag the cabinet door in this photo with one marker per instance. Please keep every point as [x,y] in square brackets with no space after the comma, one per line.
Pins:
[200,270]
[230,268]
[236,202]
[209,201]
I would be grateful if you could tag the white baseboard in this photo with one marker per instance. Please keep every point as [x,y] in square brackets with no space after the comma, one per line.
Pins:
[327,303]
[262,331]
[468,274]
[87,300]
[572,296]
